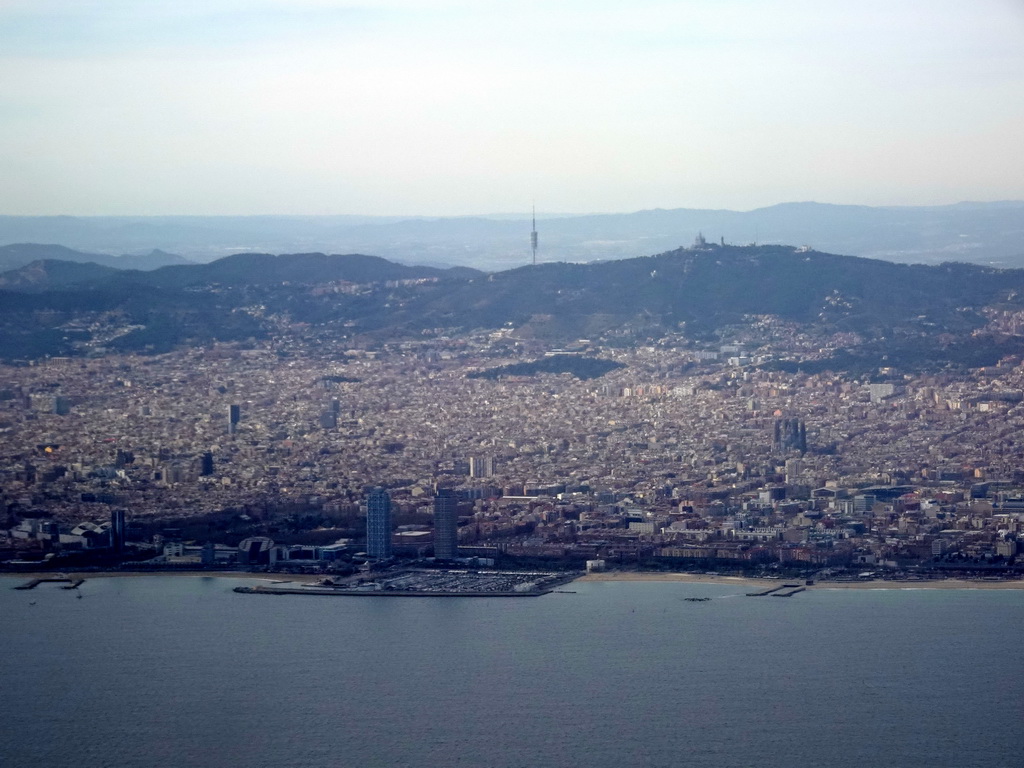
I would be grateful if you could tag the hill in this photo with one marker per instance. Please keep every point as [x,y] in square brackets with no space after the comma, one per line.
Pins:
[49,274]
[706,289]
[21,254]
[306,268]
[925,316]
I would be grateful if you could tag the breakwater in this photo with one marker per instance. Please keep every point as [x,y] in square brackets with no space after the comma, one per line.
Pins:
[783,590]
[332,592]
[68,582]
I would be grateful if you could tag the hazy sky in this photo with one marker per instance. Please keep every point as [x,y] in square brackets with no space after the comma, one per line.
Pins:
[446,107]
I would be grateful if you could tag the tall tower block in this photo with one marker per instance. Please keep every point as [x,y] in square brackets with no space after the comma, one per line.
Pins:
[117,529]
[446,525]
[378,524]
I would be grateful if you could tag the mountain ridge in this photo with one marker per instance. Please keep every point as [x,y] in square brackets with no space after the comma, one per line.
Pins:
[977,232]
[20,254]
[693,291]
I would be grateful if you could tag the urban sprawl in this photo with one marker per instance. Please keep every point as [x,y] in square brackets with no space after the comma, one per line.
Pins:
[688,456]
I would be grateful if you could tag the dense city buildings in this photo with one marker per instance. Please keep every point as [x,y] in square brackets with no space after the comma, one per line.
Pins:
[687,454]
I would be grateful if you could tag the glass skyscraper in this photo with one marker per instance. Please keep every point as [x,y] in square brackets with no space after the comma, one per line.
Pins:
[446,524]
[378,524]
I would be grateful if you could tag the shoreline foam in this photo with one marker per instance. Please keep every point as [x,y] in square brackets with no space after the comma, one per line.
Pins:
[700,578]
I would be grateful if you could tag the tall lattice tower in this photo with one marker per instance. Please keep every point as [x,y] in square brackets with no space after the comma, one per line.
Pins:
[533,236]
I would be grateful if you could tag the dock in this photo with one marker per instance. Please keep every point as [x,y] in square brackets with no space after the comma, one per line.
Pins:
[334,592]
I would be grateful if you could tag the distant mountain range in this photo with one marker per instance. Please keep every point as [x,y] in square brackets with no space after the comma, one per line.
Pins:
[20,254]
[915,316]
[981,233]
[237,271]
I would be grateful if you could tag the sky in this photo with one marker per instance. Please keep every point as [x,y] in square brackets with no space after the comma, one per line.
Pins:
[459,107]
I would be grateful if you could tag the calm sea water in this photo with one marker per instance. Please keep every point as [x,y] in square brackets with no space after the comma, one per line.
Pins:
[171,671]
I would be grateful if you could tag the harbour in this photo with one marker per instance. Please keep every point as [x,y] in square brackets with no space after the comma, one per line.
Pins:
[423,583]
[270,590]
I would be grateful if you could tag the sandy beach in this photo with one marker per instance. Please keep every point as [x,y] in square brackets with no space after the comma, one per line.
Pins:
[700,578]
[686,578]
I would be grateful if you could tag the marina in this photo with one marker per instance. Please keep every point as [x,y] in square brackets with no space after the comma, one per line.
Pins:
[424,583]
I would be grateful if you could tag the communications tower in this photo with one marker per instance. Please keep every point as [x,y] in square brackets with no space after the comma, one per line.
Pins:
[533,236]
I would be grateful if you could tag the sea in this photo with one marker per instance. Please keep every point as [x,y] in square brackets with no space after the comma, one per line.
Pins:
[174,670]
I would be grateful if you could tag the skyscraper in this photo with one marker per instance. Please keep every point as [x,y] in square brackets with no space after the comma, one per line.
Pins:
[446,524]
[117,526]
[234,416]
[481,466]
[790,435]
[378,524]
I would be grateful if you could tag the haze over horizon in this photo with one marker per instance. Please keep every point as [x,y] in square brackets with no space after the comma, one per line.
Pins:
[451,107]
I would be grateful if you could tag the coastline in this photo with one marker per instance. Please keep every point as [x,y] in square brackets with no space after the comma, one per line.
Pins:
[742,581]
[648,576]
[87,575]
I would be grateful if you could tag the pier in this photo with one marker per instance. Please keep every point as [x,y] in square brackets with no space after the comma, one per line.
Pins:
[334,592]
